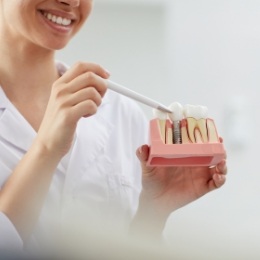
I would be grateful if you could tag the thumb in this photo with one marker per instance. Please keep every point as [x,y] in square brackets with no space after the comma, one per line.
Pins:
[142,153]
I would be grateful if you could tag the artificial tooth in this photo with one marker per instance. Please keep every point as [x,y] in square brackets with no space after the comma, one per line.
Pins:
[188,110]
[169,133]
[184,134]
[191,125]
[161,119]
[202,125]
[196,121]
[204,111]
[194,128]
[198,136]
[196,112]
[177,112]
[212,131]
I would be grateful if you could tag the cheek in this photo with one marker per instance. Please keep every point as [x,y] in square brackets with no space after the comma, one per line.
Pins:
[86,8]
[14,13]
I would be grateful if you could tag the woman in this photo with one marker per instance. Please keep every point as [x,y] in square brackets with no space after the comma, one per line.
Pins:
[68,145]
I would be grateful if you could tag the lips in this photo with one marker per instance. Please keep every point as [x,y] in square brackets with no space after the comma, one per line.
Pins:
[58,20]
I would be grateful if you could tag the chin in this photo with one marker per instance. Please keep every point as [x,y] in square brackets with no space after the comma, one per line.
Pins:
[55,47]
[59,47]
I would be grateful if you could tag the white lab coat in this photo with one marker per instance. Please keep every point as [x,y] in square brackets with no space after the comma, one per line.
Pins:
[97,184]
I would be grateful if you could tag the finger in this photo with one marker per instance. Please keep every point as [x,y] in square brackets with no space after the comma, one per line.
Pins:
[88,79]
[221,167]
[219,180]
[216,182]
[218,175]
[84,109]
[83,95]
[143,153]
[81,68]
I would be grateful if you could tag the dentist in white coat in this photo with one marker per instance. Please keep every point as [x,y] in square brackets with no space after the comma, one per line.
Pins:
[71,152]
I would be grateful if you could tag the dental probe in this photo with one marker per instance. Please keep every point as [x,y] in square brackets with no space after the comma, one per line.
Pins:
[136,96]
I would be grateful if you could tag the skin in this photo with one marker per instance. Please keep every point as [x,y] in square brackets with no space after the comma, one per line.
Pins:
[54,104]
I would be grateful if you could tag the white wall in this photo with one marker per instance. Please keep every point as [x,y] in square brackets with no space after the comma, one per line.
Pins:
[215,51]
[200,52]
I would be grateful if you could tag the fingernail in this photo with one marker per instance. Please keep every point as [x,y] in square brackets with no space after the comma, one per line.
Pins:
[220,177]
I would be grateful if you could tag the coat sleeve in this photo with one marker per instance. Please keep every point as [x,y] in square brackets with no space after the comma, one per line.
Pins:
[9,237]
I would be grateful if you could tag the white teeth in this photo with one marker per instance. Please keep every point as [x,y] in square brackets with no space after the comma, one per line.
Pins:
[177,112]
[54,18]
[57,19]
[159,114]
[196,112]
[204,112]
[194,129]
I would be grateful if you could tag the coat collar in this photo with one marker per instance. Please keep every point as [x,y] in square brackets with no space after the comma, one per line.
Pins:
[13,126]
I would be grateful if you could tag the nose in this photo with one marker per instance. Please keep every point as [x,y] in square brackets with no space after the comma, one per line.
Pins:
[72,3]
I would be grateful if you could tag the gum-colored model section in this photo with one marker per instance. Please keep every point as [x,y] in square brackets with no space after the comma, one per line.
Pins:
[188,153]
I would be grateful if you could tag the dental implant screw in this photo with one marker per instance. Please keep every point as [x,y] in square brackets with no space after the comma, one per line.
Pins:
[177,132]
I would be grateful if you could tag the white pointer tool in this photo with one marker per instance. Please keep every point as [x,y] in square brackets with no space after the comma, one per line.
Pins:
[136,96]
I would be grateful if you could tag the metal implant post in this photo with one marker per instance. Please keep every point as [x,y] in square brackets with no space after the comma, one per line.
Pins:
[177,132]
[176,116]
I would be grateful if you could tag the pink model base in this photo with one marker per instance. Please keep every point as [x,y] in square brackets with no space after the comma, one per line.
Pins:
[201,154]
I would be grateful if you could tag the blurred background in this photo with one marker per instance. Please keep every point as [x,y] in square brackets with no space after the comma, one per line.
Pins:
[203,52]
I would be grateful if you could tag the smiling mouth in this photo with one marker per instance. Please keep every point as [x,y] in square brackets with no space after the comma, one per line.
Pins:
[57,19]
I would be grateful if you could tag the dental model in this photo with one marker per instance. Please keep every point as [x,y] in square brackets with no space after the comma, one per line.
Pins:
[185,137]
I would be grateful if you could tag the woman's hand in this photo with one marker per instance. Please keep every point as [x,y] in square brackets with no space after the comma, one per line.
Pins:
[169,188]
[165,189]
[76,94]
